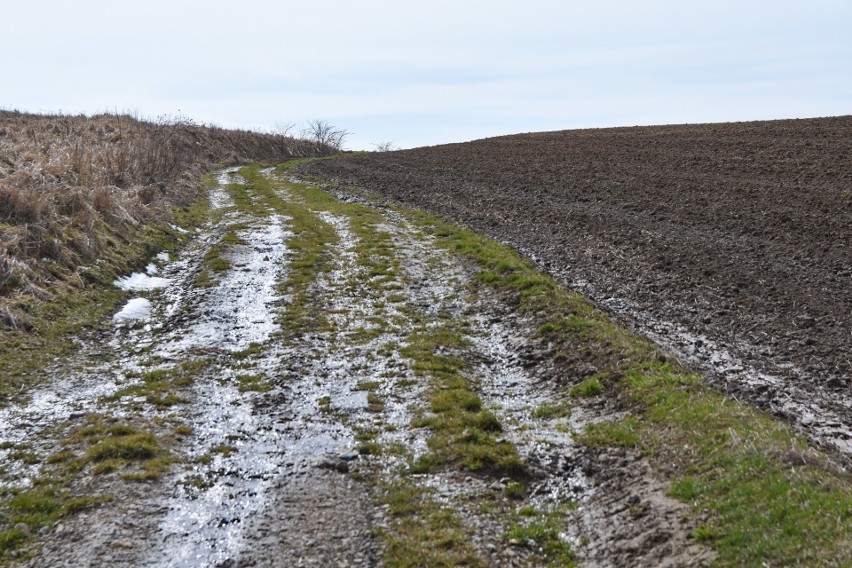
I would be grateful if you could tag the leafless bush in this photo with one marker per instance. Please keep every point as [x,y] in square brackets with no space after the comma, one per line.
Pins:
[326,137]
[284,128]
[385,147]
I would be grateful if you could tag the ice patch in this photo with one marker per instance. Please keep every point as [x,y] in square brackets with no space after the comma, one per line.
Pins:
[240,309]
[138,281]
[178,229]
[135,309]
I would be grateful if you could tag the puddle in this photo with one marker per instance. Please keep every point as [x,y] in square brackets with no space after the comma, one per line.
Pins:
[202,525]
[547,444]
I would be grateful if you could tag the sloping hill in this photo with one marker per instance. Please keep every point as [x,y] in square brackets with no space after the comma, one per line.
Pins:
[728,243]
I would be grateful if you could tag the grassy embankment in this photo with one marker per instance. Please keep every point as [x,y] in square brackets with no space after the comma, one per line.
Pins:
[83,200]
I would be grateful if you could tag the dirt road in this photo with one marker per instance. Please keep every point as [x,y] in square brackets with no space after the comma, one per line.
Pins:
[271,396]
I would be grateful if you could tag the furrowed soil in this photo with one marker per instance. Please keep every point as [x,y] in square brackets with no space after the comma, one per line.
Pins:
[728,244]
[316,382]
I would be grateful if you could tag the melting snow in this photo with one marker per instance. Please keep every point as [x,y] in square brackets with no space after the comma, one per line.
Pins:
[138,281]
[135,309]
[239,309]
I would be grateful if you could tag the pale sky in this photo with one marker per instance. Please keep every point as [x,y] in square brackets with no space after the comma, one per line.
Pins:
[426,73]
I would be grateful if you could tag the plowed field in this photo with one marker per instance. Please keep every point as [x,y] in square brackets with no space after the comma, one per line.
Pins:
[727,243]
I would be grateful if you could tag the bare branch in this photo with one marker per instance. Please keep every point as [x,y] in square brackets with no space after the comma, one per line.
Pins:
[324,134]
[386,146]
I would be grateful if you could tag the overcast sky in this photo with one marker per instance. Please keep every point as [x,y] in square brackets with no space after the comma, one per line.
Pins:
[424,73]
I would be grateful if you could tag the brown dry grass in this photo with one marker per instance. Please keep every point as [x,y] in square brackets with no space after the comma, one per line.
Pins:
[71,186]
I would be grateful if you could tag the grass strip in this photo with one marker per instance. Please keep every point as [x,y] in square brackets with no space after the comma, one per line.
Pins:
[464,435]
[310,247]
[771,499]
[424,532]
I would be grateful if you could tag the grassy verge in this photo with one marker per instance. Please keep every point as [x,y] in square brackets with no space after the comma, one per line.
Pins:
[100,445]
[771,500]
[27,353]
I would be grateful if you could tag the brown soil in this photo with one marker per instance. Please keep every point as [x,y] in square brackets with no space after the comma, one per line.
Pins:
[727,243]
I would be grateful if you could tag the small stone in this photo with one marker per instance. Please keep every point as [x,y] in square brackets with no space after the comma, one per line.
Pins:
[23,527]
[338,465]
[123,543]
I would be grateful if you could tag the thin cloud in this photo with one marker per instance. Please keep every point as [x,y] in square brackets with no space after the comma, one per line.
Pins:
[429,73]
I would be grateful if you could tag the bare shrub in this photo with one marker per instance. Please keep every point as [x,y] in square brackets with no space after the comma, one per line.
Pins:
[326,137]
[284,128]
[385,147]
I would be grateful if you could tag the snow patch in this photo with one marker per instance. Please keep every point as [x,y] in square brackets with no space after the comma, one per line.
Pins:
[138,282]
[135,309]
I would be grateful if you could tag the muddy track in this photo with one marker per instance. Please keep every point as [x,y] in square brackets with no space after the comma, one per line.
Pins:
[730,244]
[277,420]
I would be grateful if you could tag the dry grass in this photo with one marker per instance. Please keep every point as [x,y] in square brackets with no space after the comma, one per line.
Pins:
[72,187]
